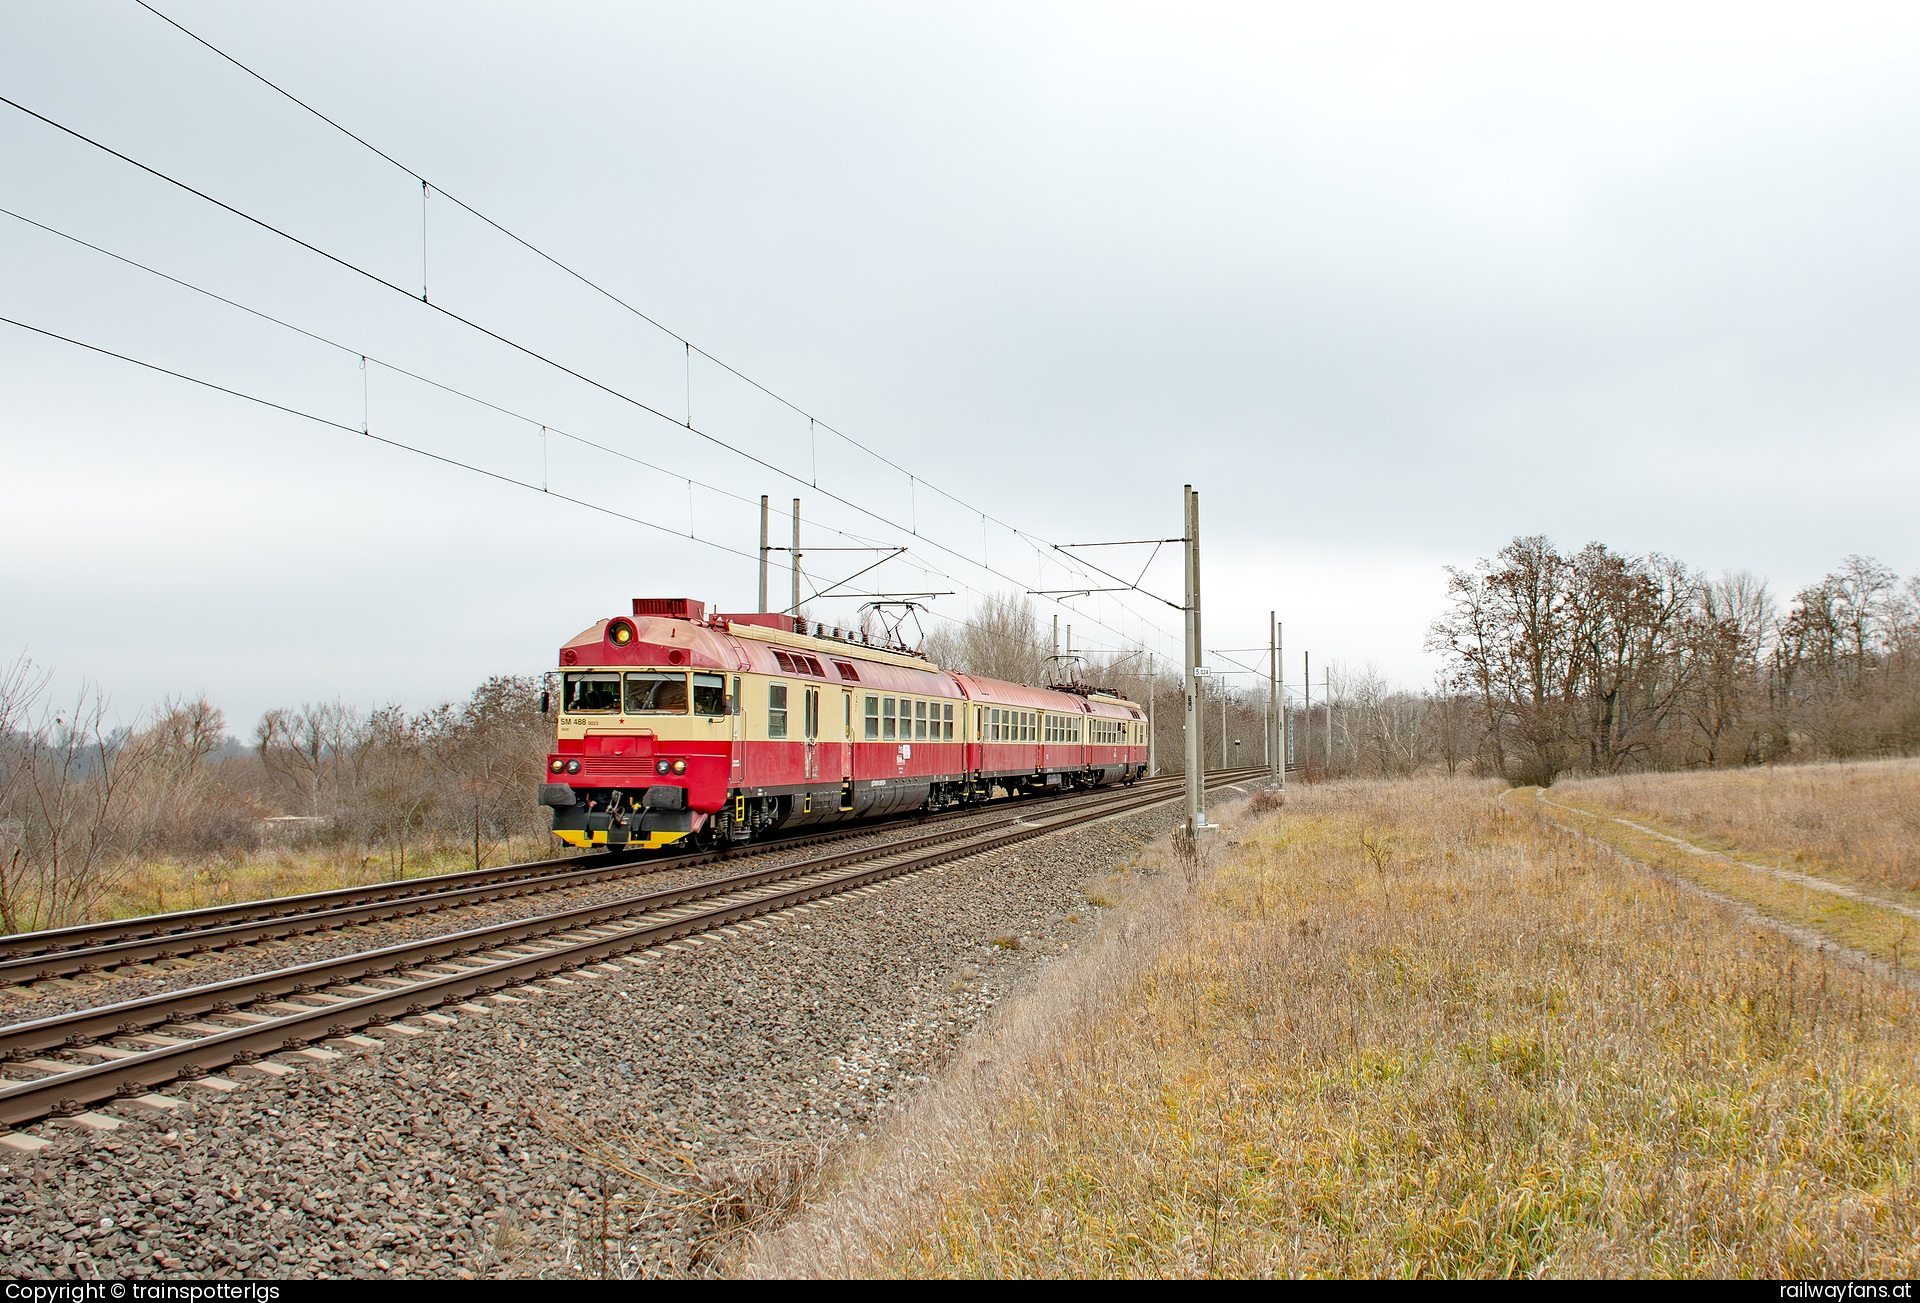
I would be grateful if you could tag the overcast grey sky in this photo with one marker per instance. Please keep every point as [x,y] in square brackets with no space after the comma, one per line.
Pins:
[1389,285]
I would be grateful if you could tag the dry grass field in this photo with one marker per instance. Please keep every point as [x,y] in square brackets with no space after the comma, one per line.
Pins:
[1854,823]
[161,886]
[1406,1029]
[1834,849]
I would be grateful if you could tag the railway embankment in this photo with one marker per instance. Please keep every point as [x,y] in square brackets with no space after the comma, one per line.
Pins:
[619,1119]
[416,918]
[1403,1029]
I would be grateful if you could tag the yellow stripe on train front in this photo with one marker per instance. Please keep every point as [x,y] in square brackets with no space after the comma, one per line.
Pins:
[653,841]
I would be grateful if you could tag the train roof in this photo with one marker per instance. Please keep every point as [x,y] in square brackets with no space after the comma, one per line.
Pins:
[676,631]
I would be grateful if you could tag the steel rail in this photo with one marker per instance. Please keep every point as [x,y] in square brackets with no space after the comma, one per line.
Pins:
[21,1039]
[39,968]
[86,948]
[483,961]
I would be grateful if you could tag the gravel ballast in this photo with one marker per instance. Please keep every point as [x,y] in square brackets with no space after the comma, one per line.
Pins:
[759,1049]
[69,995]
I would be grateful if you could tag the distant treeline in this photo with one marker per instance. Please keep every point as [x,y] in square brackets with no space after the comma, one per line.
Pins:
[1598,661]
[1592,661]
[84,805]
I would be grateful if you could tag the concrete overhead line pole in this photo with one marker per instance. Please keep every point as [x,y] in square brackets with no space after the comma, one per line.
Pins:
[764,550]
[1197,826]
[794,610]
[1306,707]
[1276,716]
[1153,766]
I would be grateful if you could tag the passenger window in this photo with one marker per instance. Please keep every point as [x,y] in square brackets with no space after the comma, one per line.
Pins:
[946,723]
[656,692]
[709,694]
[873,719]
[776,710]
[920,721]
[591,692]
[886,719]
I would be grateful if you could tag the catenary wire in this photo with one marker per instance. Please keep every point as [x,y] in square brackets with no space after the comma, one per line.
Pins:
[394,367]
[813,421]
[573,272]
[406,447]
[350,351]
[544,359]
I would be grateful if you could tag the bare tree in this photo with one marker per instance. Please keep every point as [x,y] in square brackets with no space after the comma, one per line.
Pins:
[1382,730]
[1000,640]
[1726,699]
[317,750]
[1509,635]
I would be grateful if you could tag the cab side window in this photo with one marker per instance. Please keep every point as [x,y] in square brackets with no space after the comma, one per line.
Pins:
[709,694]
[595,691]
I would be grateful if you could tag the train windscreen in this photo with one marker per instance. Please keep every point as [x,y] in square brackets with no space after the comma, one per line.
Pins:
[656,692]
[592,692]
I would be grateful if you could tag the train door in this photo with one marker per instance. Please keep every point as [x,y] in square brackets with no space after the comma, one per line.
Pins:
[734,708]
[846,749]
[812,703]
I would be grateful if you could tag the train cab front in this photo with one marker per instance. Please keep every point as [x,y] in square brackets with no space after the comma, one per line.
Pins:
[642,752]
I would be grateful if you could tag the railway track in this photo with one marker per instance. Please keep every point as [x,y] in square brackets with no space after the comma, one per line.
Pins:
[124,1051]
[98,947]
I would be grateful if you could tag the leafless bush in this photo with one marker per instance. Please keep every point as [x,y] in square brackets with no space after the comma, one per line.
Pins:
[660,1210]
[389,780]
[81,802]
[90,812]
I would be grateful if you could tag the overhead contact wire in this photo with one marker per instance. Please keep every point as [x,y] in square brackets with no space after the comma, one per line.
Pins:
[495,335]
[599,289]
[365,358]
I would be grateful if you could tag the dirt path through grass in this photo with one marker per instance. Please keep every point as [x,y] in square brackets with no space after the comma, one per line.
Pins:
[1785,875]
[1868,927]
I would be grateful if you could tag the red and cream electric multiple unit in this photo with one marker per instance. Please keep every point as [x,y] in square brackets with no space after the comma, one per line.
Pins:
[674,725]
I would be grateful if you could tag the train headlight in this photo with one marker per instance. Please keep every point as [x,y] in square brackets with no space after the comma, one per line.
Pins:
[662,767]
[573,766]
[557,765]
[620,633]
[679,766]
